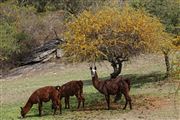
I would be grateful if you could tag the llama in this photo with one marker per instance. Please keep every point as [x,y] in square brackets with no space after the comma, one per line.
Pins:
[111,87]
[70,89]
[41,95]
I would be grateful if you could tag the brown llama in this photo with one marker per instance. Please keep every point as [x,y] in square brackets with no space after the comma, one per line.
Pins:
[111,87]
[70,89]
[41,95]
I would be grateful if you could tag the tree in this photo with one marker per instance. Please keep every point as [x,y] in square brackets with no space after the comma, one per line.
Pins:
[113,34]
[175,71]
[167,10]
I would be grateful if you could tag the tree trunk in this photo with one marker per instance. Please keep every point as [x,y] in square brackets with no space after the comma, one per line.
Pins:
[166,58]
[41,6]
[117,68]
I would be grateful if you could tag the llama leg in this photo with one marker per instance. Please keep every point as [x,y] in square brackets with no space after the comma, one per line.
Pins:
[130,105]
[82,98]
[128,100]
[40,108]
[79,101]
[68,102]
[125,103]
[55,106]
[65,101]
[108,101]
[60,107]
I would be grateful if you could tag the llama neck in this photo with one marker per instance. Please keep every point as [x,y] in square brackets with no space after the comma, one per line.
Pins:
[27,107]
[96,81]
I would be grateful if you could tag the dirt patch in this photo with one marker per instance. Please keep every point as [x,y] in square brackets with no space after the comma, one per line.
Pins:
[144,108]
[148,102]
[139,102]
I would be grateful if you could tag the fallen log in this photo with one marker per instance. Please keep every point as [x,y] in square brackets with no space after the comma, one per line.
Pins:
[44,52]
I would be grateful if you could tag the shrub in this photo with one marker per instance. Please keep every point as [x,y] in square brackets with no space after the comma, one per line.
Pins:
[9,44]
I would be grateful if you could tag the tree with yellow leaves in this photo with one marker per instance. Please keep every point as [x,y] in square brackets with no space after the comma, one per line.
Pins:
[113,34]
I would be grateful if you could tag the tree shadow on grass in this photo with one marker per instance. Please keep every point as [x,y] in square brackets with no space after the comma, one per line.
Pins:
[96,101]
[137,80]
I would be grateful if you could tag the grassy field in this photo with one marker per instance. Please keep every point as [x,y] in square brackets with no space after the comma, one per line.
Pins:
[153,97]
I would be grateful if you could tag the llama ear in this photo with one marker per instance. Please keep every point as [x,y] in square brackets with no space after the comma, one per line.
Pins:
[90,68]
[95,68]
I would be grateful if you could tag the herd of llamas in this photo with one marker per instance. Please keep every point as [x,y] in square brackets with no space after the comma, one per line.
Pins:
[115,86]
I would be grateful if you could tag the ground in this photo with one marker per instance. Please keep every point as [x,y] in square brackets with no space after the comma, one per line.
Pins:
[153,97]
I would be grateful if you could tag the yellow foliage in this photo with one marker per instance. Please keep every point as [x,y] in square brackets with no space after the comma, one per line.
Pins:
[129,29]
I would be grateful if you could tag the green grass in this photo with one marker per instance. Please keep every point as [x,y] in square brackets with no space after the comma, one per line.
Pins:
[144,76]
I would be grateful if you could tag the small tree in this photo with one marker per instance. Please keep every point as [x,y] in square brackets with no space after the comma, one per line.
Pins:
[112,34]
[167,48]
[175,71]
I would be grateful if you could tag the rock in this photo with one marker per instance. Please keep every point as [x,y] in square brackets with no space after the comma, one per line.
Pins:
[44,52]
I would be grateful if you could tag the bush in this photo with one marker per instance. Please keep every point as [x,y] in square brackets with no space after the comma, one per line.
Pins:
[9,44]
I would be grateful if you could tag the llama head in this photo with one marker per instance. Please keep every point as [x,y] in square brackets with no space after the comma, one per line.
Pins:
[58,88]
[22,112]
[93,71]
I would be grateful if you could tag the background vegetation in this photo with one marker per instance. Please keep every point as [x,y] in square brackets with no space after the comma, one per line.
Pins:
[167,10]
[26,24]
